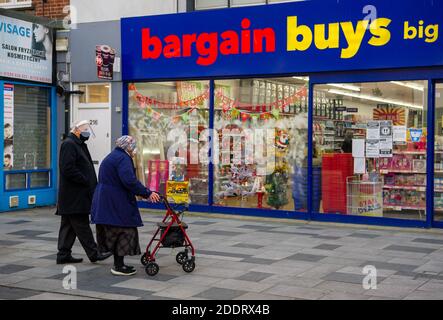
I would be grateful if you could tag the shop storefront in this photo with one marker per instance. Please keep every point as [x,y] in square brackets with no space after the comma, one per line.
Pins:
[27,115]
[312,110]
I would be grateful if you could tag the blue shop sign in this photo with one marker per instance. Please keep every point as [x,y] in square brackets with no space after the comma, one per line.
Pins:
[297,37]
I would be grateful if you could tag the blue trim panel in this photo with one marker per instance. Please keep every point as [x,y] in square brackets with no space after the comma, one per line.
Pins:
[310,147]
[125,119]
[430,155]
[213,136]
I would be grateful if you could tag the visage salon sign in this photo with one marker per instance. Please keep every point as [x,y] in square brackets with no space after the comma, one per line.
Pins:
[25,50]
[309,36]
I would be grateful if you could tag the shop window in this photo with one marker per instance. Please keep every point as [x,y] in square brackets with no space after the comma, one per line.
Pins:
[438,157]
[40,179]
[168,119]
[371,142]
[15,3]
[16,181]
[281,1]
[94,93]
[261,129]
[240,3]
[210,4]
[26,128]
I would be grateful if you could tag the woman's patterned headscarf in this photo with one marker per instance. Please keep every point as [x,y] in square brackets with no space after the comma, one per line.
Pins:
[127,143]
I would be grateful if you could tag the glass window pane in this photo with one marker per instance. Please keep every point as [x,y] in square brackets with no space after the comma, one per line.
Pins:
[280,1]
[261,125]
[167,119]
[82,97]
[438,158]
[98,93]
[40,179]
[15,181]
[210,4]
[239,3]
[371,142]
[27,128]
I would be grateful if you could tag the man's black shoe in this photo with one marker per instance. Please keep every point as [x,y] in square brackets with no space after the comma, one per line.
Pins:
[69,260]
[101,257]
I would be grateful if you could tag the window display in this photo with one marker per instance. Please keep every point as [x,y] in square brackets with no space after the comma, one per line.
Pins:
[167,118]
[373,148]
[261,125]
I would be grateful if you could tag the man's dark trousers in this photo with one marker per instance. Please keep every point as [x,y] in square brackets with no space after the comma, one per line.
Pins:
[72,226]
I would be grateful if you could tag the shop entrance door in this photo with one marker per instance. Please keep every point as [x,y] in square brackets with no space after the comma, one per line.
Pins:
[94,105]
[438,155]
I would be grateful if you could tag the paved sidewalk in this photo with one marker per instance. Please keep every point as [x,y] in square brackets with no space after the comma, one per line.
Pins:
[236,259]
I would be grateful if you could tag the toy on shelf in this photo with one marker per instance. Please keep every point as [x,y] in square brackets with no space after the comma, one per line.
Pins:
[158,174]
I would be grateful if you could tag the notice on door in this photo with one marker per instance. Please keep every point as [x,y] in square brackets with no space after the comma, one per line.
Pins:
[373,148]
[373,130]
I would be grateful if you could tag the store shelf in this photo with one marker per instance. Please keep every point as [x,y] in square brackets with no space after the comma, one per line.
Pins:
[417,188]
[409,152]
[400,208]
[401,171]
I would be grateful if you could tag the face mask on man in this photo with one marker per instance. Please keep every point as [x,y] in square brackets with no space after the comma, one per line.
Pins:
[84,136]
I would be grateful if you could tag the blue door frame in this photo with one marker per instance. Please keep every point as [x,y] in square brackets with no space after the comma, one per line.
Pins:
[44,196]
[431,75]
[435,223]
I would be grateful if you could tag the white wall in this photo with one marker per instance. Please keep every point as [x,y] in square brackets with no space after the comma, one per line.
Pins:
[108,10]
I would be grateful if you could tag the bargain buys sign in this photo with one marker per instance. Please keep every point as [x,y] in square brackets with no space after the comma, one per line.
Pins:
[26,50]
[308,36]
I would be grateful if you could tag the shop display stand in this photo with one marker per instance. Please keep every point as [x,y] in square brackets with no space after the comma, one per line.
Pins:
[404,175]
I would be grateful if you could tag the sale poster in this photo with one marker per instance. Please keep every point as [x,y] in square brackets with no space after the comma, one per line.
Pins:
[387,112]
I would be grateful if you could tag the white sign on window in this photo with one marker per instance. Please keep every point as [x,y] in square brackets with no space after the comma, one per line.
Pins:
[25,50]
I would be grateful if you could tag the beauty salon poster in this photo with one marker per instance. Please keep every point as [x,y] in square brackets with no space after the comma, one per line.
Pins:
[8,127]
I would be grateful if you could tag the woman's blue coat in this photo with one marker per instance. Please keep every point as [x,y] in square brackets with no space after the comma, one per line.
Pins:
[114,201]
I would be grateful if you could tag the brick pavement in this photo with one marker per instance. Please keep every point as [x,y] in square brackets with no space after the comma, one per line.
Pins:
[237,258]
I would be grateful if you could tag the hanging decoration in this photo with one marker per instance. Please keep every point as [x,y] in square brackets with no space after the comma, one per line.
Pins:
[148,101]
[246,111]
[229,106]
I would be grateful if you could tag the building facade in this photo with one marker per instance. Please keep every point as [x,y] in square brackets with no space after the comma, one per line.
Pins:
[261,108]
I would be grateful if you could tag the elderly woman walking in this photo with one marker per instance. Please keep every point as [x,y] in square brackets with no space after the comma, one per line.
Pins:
[114,207]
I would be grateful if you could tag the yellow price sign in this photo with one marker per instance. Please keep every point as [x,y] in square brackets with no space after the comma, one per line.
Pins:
[178,191]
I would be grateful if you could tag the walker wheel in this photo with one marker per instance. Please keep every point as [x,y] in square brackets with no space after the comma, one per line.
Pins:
[143,259]
[152,269]
[188,266]
[181,257]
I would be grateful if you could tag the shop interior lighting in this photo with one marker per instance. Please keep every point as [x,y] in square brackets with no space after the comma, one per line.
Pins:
[376,99]
[302,78]
[337,85]
[410,85]
[344,86]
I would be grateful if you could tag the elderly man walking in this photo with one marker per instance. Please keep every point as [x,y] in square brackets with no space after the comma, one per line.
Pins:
[77,184]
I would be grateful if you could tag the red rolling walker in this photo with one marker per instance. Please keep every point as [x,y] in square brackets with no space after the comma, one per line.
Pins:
[172,235]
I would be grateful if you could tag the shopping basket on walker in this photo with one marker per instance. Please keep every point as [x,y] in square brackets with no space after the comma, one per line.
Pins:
[171,232]
[364,198]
